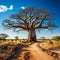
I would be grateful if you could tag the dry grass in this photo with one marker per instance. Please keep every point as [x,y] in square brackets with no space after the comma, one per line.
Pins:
[6,46]
[47,44]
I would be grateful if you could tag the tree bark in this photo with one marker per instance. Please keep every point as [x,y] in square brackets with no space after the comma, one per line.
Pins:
[31,35]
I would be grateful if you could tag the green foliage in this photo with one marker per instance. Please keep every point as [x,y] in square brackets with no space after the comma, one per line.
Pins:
[56,37]
[16,37]
[3,36]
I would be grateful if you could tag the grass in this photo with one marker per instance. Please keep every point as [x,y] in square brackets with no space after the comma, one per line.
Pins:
[10,44]
[47,44]
[14,42]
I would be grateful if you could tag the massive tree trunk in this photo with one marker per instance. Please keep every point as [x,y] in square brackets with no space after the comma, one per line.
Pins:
[31,35]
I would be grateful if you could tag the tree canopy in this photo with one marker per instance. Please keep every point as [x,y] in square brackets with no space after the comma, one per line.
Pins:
[56,37]
[3,36]
[30,19]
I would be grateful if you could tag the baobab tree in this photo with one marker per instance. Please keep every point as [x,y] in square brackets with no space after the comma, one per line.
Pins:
[30,19]
[3,36]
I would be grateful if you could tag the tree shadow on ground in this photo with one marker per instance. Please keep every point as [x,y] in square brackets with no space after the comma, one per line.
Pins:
[17,51]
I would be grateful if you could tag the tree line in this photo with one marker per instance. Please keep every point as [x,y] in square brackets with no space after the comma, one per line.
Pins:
[4,36]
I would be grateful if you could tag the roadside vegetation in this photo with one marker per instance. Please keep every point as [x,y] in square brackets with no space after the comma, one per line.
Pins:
[8,46]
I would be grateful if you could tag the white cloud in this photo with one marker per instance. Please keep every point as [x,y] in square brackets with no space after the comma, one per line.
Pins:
[23,7]
[4,8]
[11,7]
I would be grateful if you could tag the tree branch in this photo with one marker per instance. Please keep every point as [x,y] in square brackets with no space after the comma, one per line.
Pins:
[34,20]
[19,17]
[44,27]
[20,23]
[20,27]
[43,18]
[25,23]
[36,23]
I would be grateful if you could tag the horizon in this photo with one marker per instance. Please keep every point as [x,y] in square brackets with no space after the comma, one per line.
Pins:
[14,6]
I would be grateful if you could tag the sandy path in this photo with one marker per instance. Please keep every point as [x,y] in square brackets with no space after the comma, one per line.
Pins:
[33,52]
[37,54]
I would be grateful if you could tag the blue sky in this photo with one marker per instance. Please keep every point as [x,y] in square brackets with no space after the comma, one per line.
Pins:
[14,6]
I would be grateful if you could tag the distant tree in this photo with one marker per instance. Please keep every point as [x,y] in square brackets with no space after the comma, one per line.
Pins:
[43,38]
[56,37]
[3,36]
[30,19]
[16,37]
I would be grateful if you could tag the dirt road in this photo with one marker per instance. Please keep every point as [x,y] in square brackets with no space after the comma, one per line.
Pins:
[33,52]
